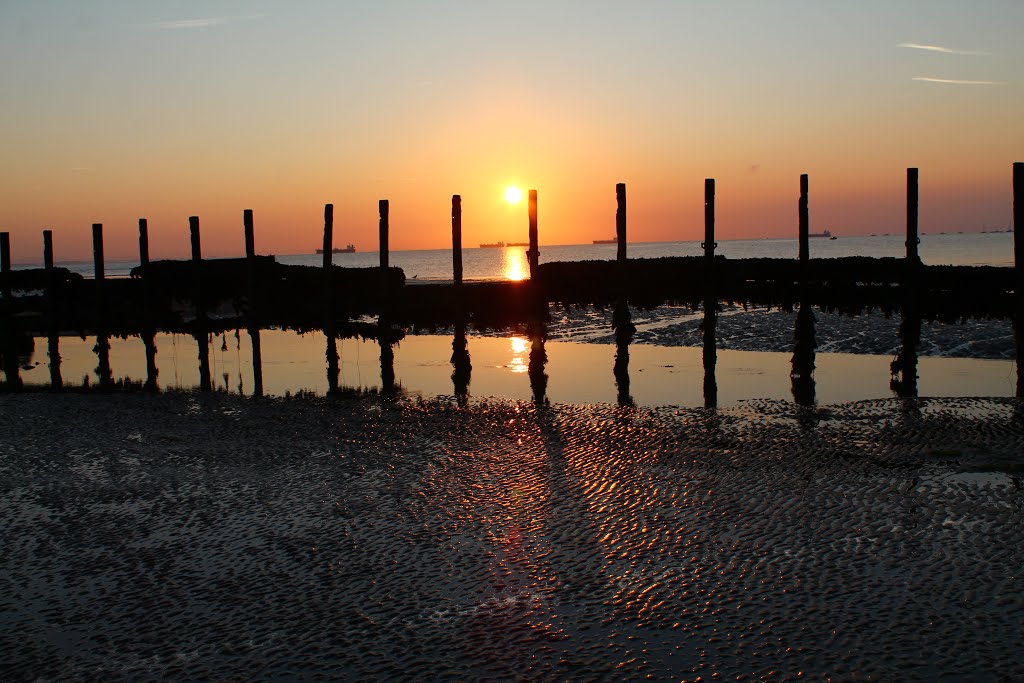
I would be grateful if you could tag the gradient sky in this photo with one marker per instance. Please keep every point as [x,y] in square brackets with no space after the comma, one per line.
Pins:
[112,111]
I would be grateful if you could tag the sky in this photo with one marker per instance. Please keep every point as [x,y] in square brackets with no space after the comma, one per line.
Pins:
[118,110]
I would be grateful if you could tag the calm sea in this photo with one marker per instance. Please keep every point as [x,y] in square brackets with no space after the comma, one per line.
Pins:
[995,249]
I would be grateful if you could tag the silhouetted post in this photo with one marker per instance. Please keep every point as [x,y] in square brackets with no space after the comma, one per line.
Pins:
[333,365]
[1018,263]
[912,239]
[328,235]
[253,329]
[53,336]
[709,243]
[805,221]
[384,209]
[205,383]
[533,255]
[97,254]
[12,373]
[462,366]
[624,329]
[5,265]
[148,334]
[620,222]
[457,238]
[143,244]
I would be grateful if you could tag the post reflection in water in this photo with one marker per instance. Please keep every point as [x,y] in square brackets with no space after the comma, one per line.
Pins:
[622,322]
[710,355]
[462,368]
[904,366]
[538,359]
[103,371]
[257,361]
[333,369]
[149,342]
[203,344]
[53,353]
[387,360]
[803,362]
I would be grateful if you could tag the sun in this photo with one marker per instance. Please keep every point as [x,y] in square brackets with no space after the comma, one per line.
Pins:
[513,195]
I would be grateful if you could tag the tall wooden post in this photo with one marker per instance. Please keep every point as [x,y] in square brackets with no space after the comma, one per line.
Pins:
[457,238]
[709,243]
[1018,266]
[53,336]
[5,265]
[253,327]
[620,222]
[805,221]
[328,235]
[384,209]
[533,255]
[143,243]
[912,236]
[97,252]
[201,336]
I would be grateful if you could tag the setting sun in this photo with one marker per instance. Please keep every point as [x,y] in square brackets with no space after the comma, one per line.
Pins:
[513,195]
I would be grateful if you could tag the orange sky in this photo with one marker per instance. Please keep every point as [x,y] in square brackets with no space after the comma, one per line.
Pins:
[115,113]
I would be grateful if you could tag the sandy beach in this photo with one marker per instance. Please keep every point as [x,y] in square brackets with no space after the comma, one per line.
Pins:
[188,537]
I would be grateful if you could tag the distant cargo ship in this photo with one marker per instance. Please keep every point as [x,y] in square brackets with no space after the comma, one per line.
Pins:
[824,233]
[613,240]
[348,249]
[493,245]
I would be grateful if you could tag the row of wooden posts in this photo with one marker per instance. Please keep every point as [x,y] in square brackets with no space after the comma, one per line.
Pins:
[708,245]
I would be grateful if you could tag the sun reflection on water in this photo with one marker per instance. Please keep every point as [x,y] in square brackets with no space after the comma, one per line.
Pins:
[514,266]
[520,350]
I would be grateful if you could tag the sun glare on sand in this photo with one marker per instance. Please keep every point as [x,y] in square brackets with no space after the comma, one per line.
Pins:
[513,195]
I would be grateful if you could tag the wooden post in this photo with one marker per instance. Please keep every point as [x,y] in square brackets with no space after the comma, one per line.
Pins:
[912,239]
[805,221]
[533,255]
[48,251]
[1018,266]
[709,243]
[328,235]
[620,222]
[5,262]
[97,250]
[384,209]
[143,243]
[457,238]
[201,339]
[253,327]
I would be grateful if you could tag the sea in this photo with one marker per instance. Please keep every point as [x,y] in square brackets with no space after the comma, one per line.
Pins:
[665,364]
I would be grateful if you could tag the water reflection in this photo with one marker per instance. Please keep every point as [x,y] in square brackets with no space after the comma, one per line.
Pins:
[622,323]
[462,368]
[514,264]
[904,366]
[804,345]
[710,353]
[103,371]
[538,359]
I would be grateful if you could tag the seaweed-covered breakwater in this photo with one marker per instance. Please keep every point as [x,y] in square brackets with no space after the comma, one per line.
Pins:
[259,291]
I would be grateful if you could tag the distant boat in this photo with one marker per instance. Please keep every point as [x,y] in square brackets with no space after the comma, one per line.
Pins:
[493,245]
[348,249]
[613,240]
[824,233]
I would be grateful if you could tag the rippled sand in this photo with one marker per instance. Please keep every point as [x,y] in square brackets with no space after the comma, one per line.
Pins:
[194,537]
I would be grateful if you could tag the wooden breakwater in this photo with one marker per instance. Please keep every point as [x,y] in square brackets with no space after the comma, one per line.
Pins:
[202,296]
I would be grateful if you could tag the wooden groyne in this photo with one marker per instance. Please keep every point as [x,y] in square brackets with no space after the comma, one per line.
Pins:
[202,296]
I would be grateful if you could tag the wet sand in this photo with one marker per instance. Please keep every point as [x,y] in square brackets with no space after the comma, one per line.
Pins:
[188,537]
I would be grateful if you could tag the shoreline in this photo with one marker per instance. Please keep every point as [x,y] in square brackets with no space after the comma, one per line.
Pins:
[181,535]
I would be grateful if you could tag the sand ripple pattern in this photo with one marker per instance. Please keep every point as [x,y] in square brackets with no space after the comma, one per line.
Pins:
[179,537]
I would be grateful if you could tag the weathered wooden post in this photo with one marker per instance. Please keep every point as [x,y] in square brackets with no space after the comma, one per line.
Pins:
[805,221]
[148,333]
[97,255]
[253,329]
[709,244]
[533,255]
[328,249]
[709,352]
[53,336]
[457,238]
[1018,266]
[384,209]
[5,265]
[202,341]
[620,222]
[102,340]
[912,236]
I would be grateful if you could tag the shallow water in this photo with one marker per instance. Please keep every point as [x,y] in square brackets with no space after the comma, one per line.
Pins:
[575,372]
[186,537]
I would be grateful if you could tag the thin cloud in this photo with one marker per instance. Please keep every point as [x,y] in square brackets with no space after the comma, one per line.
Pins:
[943,50]
[207,22]
[955,81]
